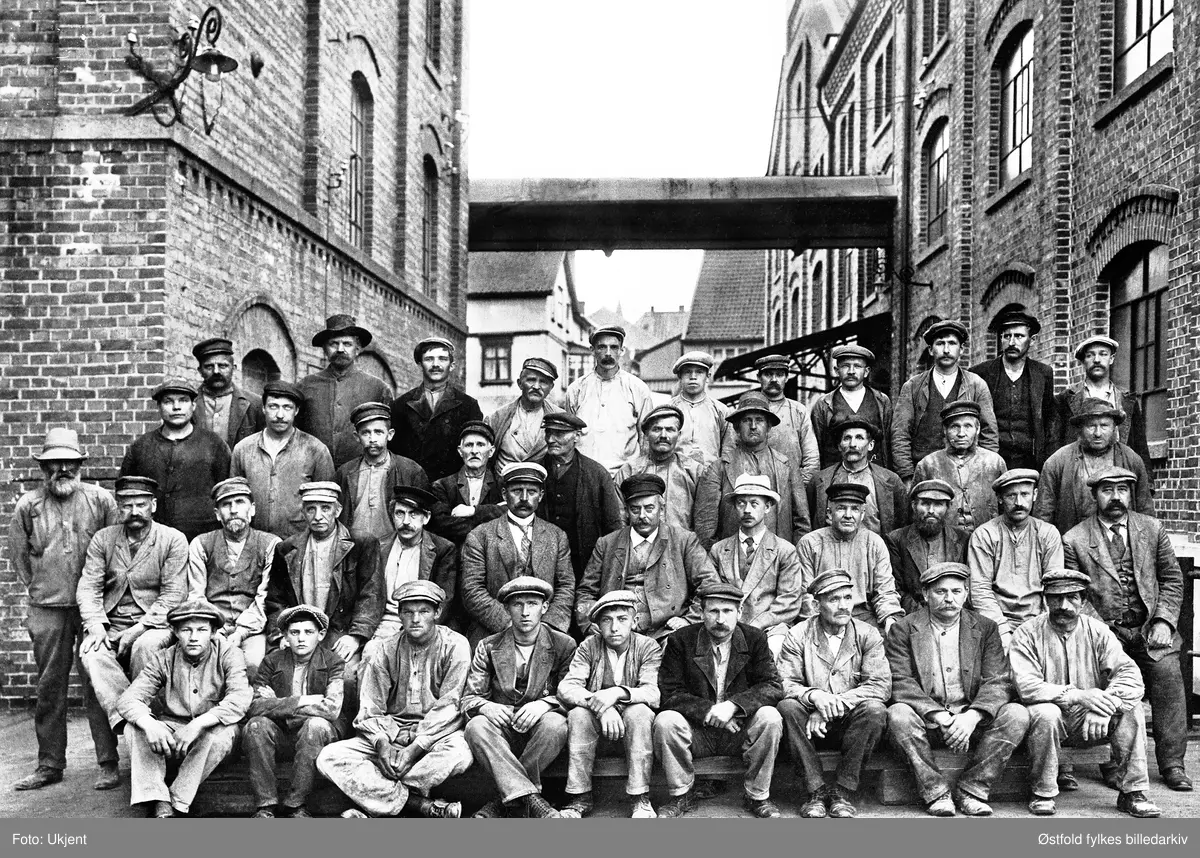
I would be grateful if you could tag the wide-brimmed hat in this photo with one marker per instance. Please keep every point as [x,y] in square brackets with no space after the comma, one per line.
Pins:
[1092,408]
[61,444]
[752,403]
[342,325]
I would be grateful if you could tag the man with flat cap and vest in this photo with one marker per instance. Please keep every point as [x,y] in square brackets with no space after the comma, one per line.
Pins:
[297,700]
[611,689]
[48,539]
[1022,394]
[852,399]
[664,458]
[409,730]
[135,572]
[719,687]
[845,544]
[661,564]
[1064,496]
[887,499]
[517,427]
[1096,355]
[472,495]
[951,688]
[792,433]
[765,567]
[964,464]
[928,540]
[1008,555]
[518,544]
[222,407]
[705,428]
[429,417]
[331,394]
[516,724]
[611,402]
[713,512]
[917,428]
[1081,688]
[200,694]
[836,684]
[1137,589]
[184,461]
[280,459]
[230,569]
[367,479]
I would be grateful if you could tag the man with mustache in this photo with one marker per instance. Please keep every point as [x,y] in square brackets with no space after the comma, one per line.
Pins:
[705,428]
[48,539]
[367,480]
[663,457]
[333,393]
[887,499]
[611,402]
[1137,589]
[1009,554]
[1081,688]
[222,407]
[930,539]
[792,433]
[429,418]
[517,427]
[852,399]
[471,496]
[965,465]
[1022,394]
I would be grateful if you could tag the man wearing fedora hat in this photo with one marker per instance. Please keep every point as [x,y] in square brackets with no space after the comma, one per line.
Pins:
[704,428]
[331,394]
[928,540]
[792,433]
[184,461]
[47,543]
[517,427]
[917,428]
[887,500]
[429,417]
[222,407]
[1064,497]
[853,399]
[664,458]
[471,496]
[199,686]
[965,464]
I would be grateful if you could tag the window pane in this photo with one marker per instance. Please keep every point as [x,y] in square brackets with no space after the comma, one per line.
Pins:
[1119,330]
[1154,407]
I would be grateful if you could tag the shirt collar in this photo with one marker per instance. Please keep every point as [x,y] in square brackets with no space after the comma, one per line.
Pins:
[521,522]
[637,539]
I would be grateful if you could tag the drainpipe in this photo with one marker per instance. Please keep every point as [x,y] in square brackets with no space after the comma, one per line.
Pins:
[906,36]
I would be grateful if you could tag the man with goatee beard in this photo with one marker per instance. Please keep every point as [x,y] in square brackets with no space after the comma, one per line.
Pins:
[927,541]
[223,407]
[47,542]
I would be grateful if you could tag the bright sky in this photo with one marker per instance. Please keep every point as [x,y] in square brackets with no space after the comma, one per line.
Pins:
[624,88]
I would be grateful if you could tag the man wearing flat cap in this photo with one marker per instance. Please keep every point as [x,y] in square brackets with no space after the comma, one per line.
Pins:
[222,407]
[200,690]
[230,569]
[1022,394]
[135,572]
[852,399]
[48,539]
[928,540]
[792,433]
[429,418]
[184,461]
[719,688]
[297,699]
[964,464]
[611,402]
[408,732]
[887,500]
[331,394]
[468,498]
[517,427]
[519,544]
[705,428]
[664,458]
[280,459]
[367,480]
[1137,589]
[661,564]
[516,724]
[917,429]
[713,512]
[1064,496]
[1096,355]
[1081,689]
[836,684]
[951,687]
[611,689]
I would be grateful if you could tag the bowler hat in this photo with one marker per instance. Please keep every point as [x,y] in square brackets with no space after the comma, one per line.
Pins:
[341,325]
[856,423]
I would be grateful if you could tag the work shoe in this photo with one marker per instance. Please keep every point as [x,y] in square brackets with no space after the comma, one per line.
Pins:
[1136,804]
[354,813]
[680,805]
[943,805]
[42,776]
[435,808]
[579,806]
[539,808]
[495,809]
[110,777]
[1108,773]
[761,808]
[840,806]
[968,805]
[1067,782]
[163,810]
[300,812]
[266,812]
[1176,778]
[814,808]
[642,808]
[1040,806]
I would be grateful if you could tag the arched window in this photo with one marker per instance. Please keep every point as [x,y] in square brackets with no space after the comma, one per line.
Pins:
[1016,106]
[936,160]
[776,320]
[1137,282]
[258,367]
[429,229]
[362,108]
[794,314]
[815,299]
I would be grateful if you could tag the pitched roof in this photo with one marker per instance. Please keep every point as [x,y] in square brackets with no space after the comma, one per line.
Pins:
[513,273]
[729,300]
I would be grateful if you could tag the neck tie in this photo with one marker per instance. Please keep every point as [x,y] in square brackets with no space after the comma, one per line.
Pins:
[749,543]
[1116,545]
[527,545]
[641,553]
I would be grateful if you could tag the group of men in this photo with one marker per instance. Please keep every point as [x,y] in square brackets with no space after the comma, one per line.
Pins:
[392,591]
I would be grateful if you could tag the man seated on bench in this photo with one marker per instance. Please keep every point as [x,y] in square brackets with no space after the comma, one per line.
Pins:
[836,683]
[612,686]
[952,688]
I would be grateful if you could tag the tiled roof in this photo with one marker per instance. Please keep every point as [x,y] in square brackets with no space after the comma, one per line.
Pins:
[512,273]
[728,303]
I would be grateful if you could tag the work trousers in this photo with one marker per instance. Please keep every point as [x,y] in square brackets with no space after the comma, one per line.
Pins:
[1051,728]
[496,749]
[148,770]
[585,741]
[350,766]
[109,674]
[677,742]
[265,739]
[1168,704]
[855,734]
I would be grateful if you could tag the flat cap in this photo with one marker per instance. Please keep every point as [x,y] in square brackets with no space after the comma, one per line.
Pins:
[941,570]
[752,402]
[945,326]
[61,444]
[1095,340]
[212,346]
[701,359]
[420,591]
[341,325]
[477,427]
[563,422]
[432,342]
[661,412]
[856,423]
[523,472]
[1064,581]
[853,350]
[961,408]
[414,496]
[1013,476]
[525,585]
[607,331]
[128,487]
[194,609]
[773,362]
[753,485]
[233,487]
[830,580]
[1112,475]
[303,612]
[721,590]
[612,599]
[1018,317]
[937,489]
[1091,408]
[847,491]
[541,366]
[322,491]
[369,411]
[283,388]
[640,485]
[175,385]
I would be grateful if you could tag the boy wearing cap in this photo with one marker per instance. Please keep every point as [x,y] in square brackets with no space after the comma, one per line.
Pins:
[663,458]
[887,500]
[705,428]
[184,460]
[222,407]
[516,725]
[517,427]
[928,540]
[297,700]
[612,689]
[852,399]
[200,685]
[471,496]
[964,464]
[409,732]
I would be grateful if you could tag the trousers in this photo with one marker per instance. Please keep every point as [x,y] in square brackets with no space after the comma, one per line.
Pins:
[1168,703]
[148,770]
[585,740]
[496,749]
[264,740]
[350,766]
[1051,727]
[108,672]
[677,742]
[855,734]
